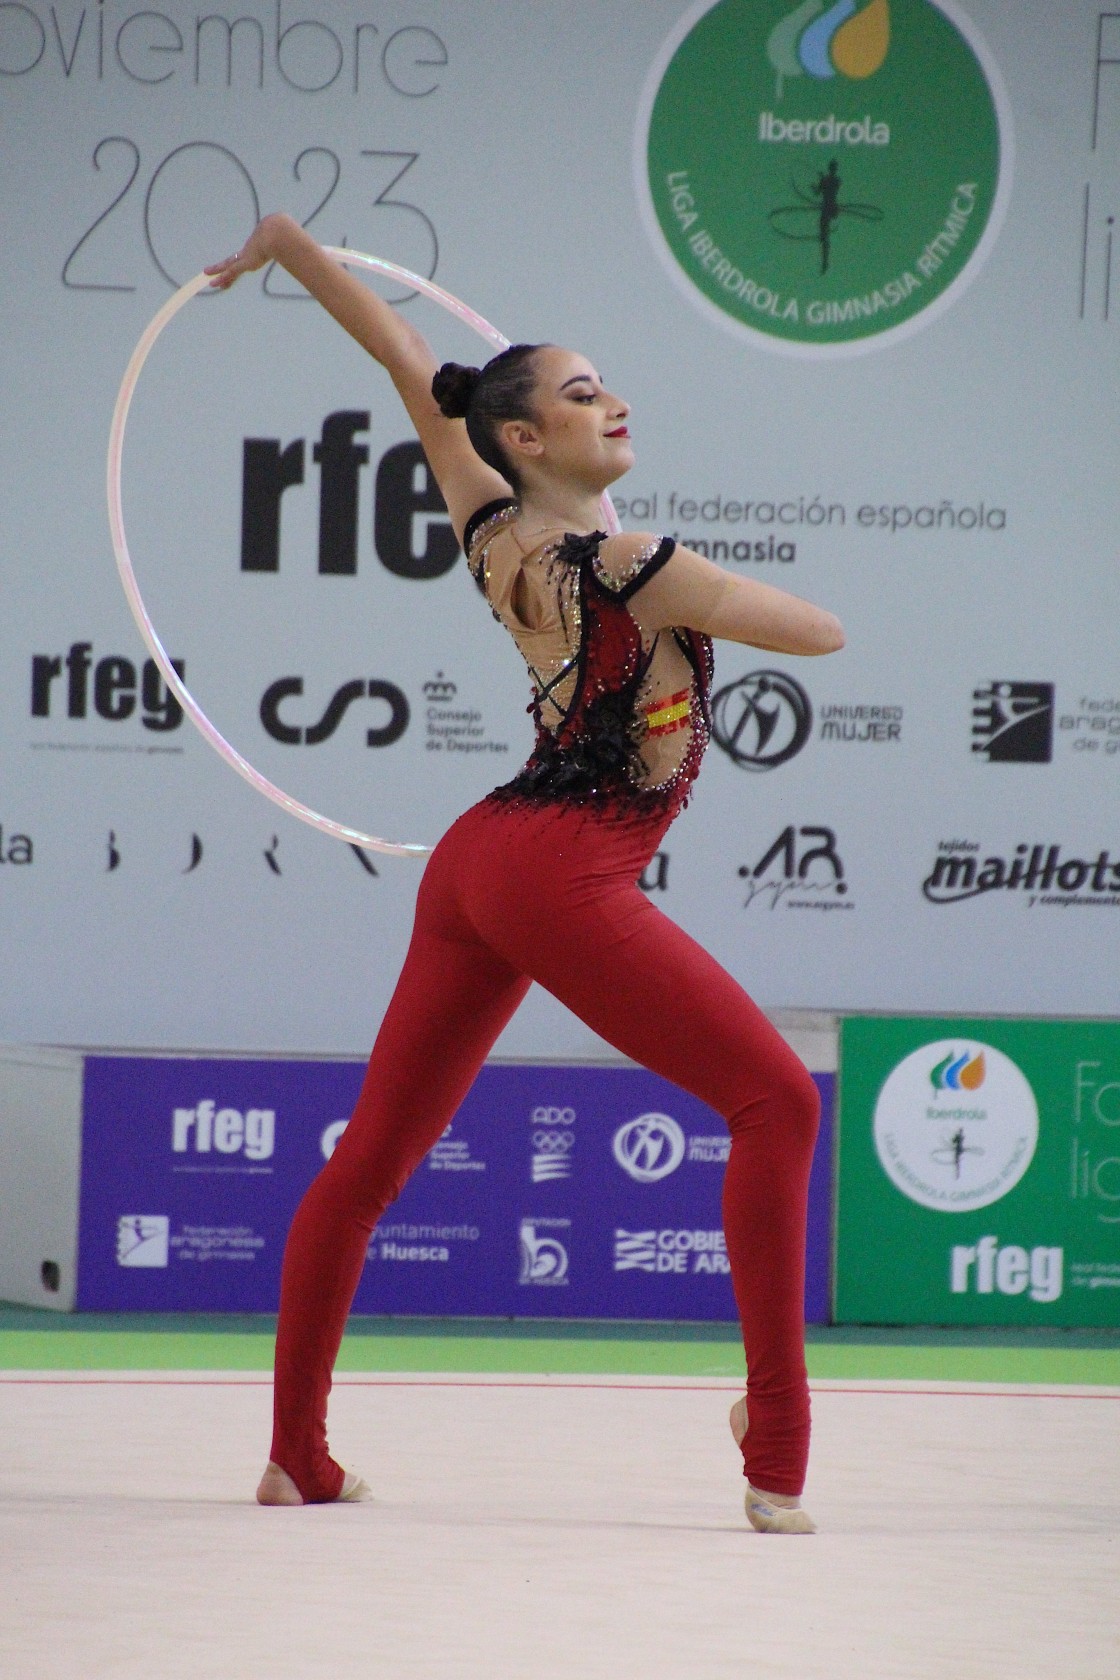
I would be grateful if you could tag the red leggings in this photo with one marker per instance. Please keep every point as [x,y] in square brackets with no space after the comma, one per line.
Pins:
[549,893]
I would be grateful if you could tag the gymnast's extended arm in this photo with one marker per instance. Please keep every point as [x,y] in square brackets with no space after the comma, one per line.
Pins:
[465,480]
[689,590]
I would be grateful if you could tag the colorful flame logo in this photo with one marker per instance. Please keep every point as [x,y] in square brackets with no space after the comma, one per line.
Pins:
[959,1073]
[844,40]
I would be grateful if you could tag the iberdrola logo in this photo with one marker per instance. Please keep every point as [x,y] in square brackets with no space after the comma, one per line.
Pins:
[958,1073]
[844,41]
[823,178]
[955,1126]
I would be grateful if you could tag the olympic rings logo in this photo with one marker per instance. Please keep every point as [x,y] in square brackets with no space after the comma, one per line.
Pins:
[554,1143]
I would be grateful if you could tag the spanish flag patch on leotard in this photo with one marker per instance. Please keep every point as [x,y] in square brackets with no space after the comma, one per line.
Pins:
[664,716]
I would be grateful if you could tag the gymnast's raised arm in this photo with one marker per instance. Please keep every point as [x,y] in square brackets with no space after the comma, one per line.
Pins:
[465,480]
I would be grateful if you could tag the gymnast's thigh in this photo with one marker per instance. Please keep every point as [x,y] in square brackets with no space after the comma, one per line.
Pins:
[647,987]
[454,996]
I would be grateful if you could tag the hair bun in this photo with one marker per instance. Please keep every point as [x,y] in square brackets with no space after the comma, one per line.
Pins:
[453,387]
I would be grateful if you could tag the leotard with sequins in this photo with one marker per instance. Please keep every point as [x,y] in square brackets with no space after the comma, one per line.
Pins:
[621,715]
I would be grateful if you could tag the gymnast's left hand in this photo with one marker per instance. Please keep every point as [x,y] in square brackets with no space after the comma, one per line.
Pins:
[256,251]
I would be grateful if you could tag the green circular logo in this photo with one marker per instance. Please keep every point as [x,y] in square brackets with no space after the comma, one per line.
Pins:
[824,178]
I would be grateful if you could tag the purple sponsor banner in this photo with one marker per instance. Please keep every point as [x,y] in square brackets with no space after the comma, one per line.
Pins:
[557,1192]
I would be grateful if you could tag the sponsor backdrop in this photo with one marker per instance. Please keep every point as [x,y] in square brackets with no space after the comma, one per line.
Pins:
[555,1192]
[979,1173]
[853,266]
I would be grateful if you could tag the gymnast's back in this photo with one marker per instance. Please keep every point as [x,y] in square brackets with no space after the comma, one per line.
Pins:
[620,698]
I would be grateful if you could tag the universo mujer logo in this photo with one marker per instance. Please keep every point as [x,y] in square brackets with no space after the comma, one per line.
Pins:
[798,174]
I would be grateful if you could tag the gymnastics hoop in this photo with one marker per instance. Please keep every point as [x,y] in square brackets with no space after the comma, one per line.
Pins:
[235,760]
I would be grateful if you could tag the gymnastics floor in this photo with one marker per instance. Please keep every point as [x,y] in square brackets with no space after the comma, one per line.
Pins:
[555,1501]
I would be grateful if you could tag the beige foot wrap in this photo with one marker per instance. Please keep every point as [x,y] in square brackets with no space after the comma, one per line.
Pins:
[353,1489]
[277,1488]
[768,1516]
[769,1513]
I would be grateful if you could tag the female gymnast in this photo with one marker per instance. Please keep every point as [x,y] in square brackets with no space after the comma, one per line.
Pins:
[539,881]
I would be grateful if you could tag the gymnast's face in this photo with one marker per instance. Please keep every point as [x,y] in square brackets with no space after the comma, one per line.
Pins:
[578,429]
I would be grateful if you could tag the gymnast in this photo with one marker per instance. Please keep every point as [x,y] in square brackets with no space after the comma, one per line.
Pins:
[539,880]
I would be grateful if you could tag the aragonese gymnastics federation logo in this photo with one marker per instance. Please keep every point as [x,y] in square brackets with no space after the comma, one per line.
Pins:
[823,179]
[956,1126]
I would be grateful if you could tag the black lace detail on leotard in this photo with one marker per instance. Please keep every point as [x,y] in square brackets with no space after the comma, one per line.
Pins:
[603,752]
[592,712]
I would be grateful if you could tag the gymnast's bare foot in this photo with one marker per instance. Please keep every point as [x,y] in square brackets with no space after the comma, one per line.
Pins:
[277,1488]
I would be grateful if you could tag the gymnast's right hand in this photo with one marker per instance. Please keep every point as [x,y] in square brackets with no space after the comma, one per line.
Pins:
[256,251]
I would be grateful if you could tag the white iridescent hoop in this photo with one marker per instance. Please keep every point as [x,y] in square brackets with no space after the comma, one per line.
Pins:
[294,807]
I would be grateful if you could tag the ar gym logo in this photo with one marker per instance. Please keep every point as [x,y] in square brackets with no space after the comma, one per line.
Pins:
[802,870]
[799,178]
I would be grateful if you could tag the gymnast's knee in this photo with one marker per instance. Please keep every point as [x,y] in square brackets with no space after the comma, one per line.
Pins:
[788,1098]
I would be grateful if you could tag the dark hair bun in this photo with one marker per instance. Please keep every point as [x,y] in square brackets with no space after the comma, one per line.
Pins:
[453,387]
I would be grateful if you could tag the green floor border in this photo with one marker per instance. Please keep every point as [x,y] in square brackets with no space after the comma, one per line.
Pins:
[36,1340]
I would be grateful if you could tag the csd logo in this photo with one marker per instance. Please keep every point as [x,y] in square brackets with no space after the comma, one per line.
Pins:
[373,688]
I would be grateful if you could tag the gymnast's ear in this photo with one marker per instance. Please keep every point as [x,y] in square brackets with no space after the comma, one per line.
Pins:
[521,439]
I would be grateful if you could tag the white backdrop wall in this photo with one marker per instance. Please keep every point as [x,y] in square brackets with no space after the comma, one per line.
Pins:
[149,898]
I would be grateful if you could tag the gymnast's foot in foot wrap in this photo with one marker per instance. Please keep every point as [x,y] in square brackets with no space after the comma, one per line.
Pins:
[277,1488]
[775,1513]
[769,1513]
